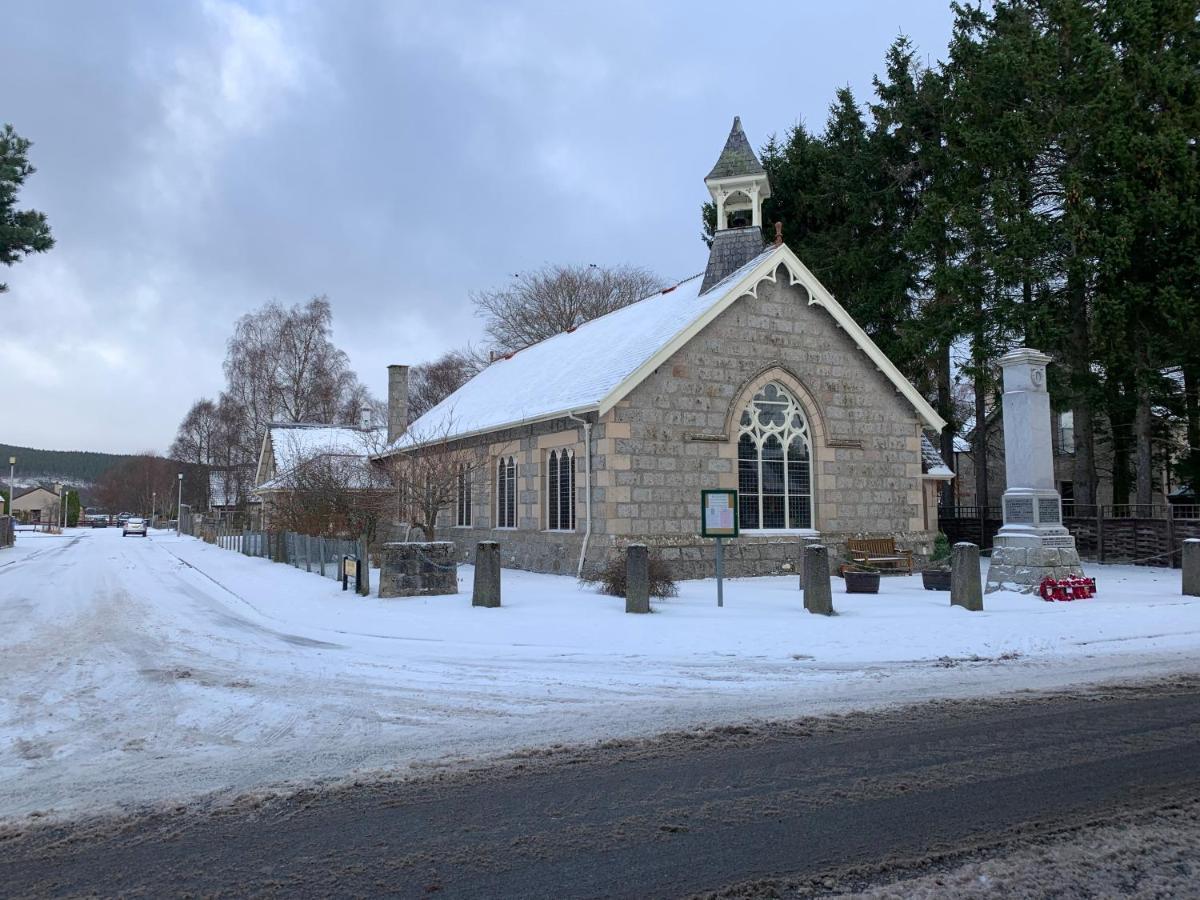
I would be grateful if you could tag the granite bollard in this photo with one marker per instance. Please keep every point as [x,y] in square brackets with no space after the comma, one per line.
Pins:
[818,595]
[637,579]
[965,588]
[1191,567]
[486,592]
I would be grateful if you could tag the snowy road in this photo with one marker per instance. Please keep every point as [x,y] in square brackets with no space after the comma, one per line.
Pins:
[141,671]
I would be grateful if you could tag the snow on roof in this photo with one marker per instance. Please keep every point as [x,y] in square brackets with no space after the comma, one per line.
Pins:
[571,371]
[294,443]
[931,459]
[961,444]
[594,365]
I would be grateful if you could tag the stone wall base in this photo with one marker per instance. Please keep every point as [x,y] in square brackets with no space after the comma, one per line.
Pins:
[1022,569]
[417,569]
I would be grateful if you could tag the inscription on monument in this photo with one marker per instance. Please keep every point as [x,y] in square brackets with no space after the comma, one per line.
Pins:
[1065,541]
[1018,509]
[1048,510]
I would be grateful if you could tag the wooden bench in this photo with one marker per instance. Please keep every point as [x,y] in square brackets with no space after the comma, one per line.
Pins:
[879,553]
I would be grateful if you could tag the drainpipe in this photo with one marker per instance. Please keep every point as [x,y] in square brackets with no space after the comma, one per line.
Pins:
[587,481]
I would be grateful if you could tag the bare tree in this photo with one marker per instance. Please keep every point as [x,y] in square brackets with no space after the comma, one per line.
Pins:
[198,434]
[431,383]
[280,366]
[540,304]
[428,474]
[334,495]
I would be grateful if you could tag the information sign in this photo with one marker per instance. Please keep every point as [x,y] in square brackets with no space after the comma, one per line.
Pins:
[718,513]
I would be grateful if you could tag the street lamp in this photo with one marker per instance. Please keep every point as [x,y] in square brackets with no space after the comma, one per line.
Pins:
[153,507]
[179,507]
[12,490]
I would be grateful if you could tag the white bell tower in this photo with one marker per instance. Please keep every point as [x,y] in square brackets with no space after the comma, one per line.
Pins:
[738,184]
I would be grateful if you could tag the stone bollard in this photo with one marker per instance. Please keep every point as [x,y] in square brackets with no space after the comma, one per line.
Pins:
[805,543]
[637,579]
[965,588]
[1191,567]
[818,595]
[487,575]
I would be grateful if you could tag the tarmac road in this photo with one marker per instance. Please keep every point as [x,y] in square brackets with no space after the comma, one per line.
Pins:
[664,818]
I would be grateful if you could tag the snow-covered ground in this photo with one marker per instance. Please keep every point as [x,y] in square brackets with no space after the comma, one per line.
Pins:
[142,670]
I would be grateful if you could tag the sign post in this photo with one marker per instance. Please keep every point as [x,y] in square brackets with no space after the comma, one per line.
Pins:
[719,519]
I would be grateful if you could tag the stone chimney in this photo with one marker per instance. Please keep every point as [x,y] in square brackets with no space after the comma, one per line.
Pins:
[397,402]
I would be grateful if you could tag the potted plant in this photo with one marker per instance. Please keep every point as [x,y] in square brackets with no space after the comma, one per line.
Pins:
[861,581]
[936,576]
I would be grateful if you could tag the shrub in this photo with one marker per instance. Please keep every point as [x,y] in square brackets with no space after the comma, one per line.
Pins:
[610,578]
[941,550]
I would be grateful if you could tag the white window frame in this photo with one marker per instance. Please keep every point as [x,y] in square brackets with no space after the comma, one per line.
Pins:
[759,434]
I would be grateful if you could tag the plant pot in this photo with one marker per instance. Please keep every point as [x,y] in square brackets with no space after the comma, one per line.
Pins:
[862,582]
[936,579]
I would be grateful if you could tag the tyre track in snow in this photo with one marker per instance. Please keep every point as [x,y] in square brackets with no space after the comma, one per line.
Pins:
[818,801]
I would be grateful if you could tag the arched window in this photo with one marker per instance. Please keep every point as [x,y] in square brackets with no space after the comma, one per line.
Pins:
[462,506]
[560,491]
[506,492]
[774,463]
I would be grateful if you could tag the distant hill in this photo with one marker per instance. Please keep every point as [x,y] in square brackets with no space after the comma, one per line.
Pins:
[74,467]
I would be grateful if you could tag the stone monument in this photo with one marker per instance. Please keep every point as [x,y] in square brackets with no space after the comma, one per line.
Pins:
[1032,543]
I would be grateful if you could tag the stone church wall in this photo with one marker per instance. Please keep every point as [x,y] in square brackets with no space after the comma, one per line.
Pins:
[676,434]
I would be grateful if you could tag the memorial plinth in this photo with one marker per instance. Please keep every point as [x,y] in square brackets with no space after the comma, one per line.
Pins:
[1032,543]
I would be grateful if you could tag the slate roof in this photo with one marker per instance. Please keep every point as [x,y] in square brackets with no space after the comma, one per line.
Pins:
[738,156]
[571,371]
[931,460]
[591,367]
[731,249]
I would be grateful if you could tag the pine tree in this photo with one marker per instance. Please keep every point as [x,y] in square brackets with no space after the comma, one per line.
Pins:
[22,231]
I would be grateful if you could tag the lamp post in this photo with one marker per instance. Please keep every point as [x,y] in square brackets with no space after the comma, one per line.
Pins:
[12,490]
[153,506]
[179,507]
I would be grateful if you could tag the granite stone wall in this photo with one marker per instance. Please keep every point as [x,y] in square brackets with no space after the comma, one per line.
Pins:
[676,434]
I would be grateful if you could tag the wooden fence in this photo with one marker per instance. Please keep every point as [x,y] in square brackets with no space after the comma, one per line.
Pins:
[1120,533]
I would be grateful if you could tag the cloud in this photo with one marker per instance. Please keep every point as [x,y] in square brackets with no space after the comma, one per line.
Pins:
[228,88]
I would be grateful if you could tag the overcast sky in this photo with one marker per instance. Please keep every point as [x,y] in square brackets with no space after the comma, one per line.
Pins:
[197,159]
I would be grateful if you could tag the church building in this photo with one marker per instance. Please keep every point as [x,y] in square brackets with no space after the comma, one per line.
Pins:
[748,376]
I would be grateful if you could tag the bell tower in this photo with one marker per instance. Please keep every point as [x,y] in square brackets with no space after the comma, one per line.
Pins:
[738,185]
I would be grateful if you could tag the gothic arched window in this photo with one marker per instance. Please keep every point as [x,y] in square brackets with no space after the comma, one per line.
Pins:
[506,492]
[560,491]
[774,463]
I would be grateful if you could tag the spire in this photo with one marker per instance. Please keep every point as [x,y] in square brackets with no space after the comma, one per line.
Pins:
[738,156]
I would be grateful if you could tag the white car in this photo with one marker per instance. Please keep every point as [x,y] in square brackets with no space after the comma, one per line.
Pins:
[133,526]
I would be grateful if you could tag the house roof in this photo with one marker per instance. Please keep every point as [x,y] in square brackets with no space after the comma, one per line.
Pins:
[293,443]
[594,366]
[738,156]
[931,460]
[30,490]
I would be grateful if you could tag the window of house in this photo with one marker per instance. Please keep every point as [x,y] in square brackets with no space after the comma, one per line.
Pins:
[506,492]
[462,505]
[1066,432]
[774,463]
[560,490]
